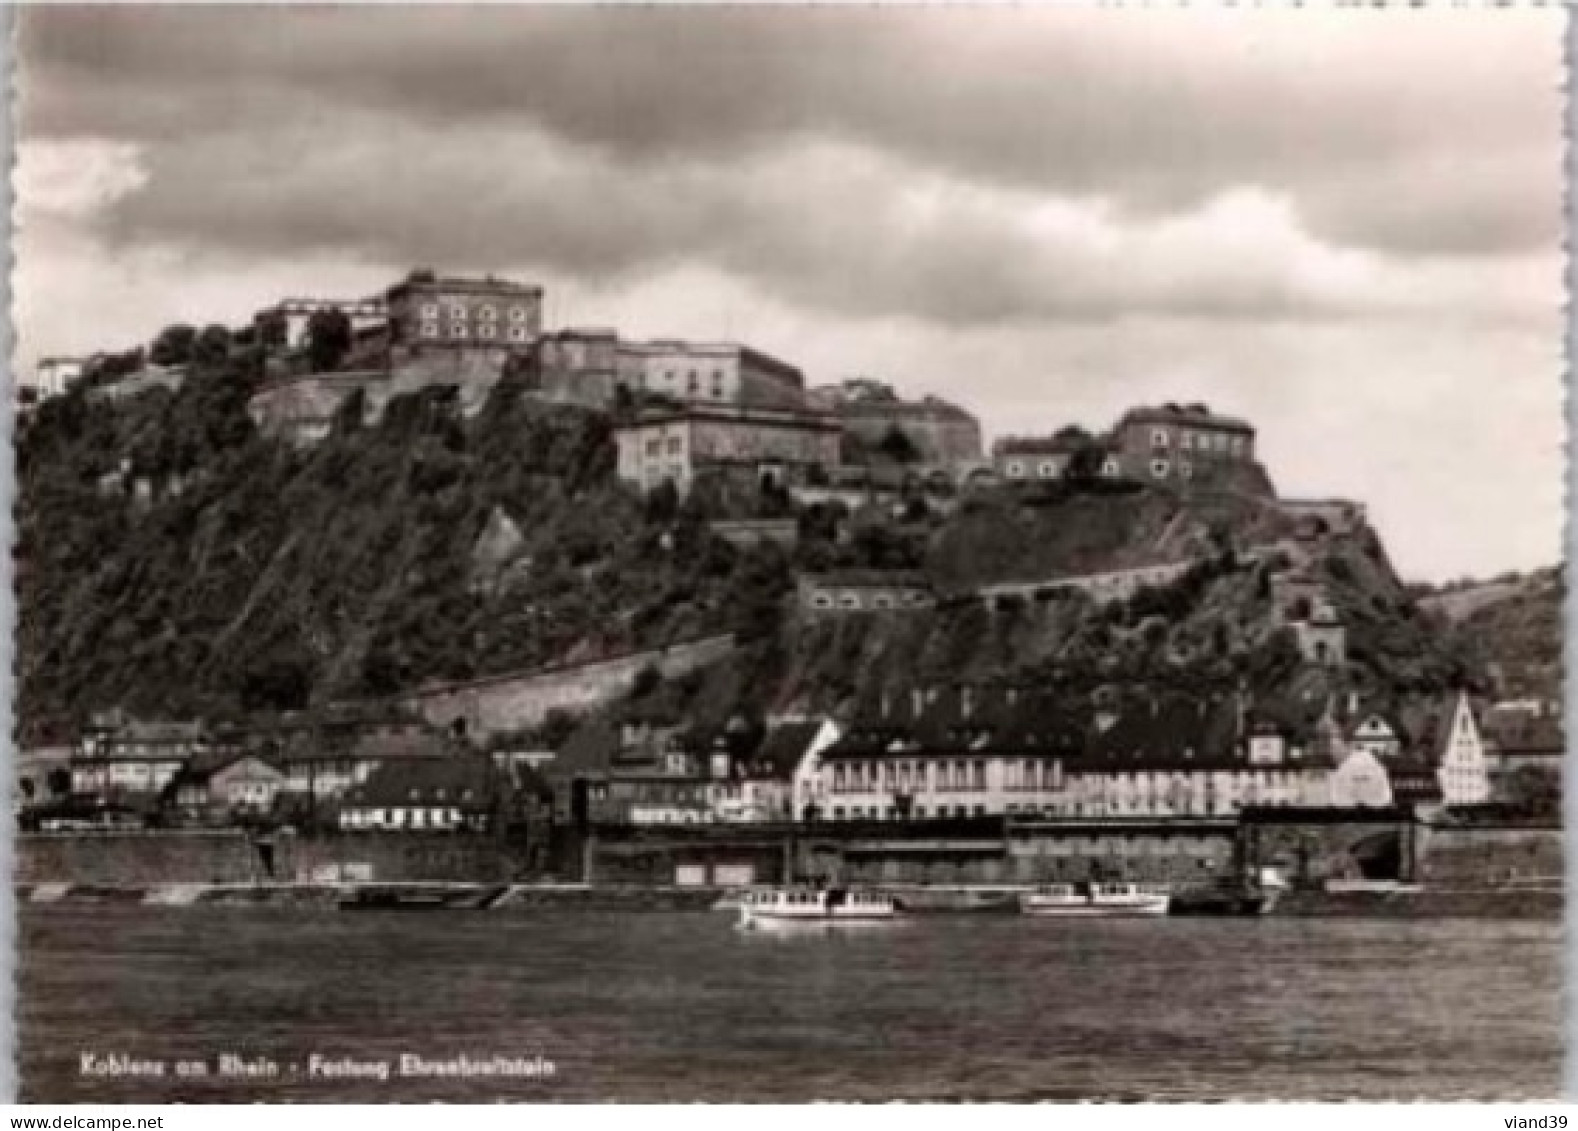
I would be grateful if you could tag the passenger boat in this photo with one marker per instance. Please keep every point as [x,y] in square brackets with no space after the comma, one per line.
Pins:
[1089,900]
[814,905]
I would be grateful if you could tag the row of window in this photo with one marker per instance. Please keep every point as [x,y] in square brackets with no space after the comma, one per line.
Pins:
[181,750]
[1046,469]
[675,446]
[1161,468]
[1201,441]
[852,601]
[693,377]
[429,818]
[486,313]
[1035,774]
[859,777]
[654,476]
[1127,581]
[916,812]
[487,333]
[1075,809]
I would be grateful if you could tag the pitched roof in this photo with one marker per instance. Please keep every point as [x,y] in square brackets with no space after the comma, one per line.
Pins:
[202,769]
[1173,732]
[374,743]
[785,745]
[590,749]
[956,720]
[1196,414]
[464,781]
[1351,727]
[413,743]
[155,732]
[129,732]
[1297,718]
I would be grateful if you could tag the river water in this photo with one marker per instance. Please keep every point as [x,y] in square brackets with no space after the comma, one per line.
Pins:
[681,1007]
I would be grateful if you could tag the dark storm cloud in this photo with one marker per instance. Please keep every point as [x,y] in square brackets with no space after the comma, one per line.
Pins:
[1344,226]
[1362,121]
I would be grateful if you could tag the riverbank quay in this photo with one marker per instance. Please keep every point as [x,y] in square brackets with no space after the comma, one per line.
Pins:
[390,896]
[1383,902]
[942,865]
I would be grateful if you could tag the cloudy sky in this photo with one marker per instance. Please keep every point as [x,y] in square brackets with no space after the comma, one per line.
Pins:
[1345,226]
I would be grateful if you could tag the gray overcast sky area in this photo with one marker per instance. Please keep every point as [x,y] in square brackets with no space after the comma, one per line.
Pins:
[1345,226]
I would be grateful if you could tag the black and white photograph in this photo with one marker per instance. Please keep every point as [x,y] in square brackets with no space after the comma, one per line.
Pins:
[613,554]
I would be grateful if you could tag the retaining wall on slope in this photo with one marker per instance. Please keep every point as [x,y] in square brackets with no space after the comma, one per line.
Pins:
[509,702]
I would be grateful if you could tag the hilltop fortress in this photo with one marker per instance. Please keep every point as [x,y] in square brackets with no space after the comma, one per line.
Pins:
[689,408]
[685,412]
[684,409]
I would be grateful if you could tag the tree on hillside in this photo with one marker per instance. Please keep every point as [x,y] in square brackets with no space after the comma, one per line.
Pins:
[1084,463]
[852,450]
[661,504]
[173,346]
[273,329]
[212,347]
[328,338]
[897,446]
[278,680]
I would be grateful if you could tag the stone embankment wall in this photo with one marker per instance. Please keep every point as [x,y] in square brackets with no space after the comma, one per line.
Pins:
[509,702]
[300,407]
[1448,859]
[146,859]
[135,859]
[472,371]
[1489,857]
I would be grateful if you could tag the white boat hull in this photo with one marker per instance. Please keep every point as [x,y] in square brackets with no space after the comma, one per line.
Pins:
[1101,901]
[1098,910]
[839,916]
[819,908]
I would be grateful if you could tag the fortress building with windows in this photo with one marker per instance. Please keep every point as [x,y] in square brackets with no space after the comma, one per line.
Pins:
[865,591]
[711,373]
[428,311]
[593,367]
[1021,459]
[759,445]
[940,433]
[1179,443]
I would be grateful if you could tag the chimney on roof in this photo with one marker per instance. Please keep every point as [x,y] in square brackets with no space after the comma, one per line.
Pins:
[965,701]
[917,701]
[883,702]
